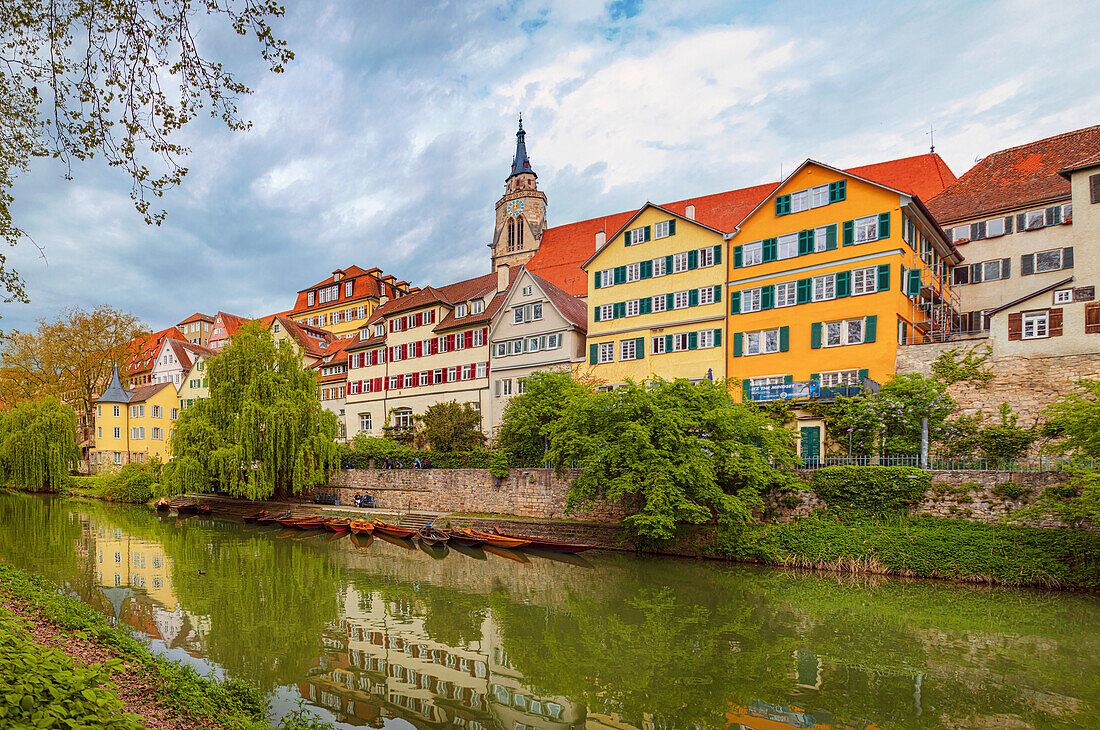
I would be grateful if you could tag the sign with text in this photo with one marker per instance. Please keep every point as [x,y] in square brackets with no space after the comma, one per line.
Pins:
[785,391]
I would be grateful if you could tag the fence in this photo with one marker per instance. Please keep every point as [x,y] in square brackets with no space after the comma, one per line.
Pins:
[942,464]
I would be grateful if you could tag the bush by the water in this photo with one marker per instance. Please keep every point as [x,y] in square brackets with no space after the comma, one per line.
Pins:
[134,483]
[873,490]
[930,547]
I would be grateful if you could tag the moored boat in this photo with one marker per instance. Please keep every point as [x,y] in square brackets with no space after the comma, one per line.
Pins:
[272,519]
[312,522]
[495,540]
[188,509]
[361,527]
[255,516]
[162,505]
[338,525]
[432,536]
[386,528]
[460,538]
[538,543]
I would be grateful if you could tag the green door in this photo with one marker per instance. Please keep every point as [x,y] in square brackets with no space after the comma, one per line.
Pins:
[811,444]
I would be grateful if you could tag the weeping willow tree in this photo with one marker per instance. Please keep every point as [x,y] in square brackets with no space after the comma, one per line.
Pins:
[262,432]
[38,444]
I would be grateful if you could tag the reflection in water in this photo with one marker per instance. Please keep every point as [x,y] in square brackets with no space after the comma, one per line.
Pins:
[369,631]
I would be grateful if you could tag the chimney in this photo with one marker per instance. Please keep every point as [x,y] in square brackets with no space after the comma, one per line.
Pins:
[502,277]
[601,238]
[689,212]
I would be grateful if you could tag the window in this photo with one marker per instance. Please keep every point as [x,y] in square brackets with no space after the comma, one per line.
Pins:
[627,350]
[824,287]
[706,256]
[348,287]
[521,388]
[680,300]
[1034,219]
[157,433]
[706,295]
[662,229]
[659,303]
[840,378]
[633,272]
[1063,296]
[960,234]
[680,342]
[843,332]
[1036,325]
[821,237]
[991,270]
[137,411]
[750,300]
[819,196]
[787,246]
[116,411]
[606,352]
[633,307]
[607,311]
[1048,261]
[679,262]
[752,253]
[800,201]
[607,277]
[99,432]
[786,294]
[527,291]
[864,281]
[762,342]
[403,417]
[506,386]
[117,432]
[635,236]
[659,266]
[156,412]
[481,366]
[995,227]
[309,299]
[98,411]
[477,306]
[706,338]
[866,229]
[173,413]
[460,311]
[658,347]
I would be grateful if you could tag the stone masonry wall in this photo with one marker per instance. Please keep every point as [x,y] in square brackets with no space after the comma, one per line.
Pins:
[538,493]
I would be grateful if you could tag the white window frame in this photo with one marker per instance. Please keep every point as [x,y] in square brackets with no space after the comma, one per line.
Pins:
[839,379]
[659,303]
[824,288]
[627,350]
[786,246]
[681,300]
[752,253]
[819,195]
[637,235]
[658,345]
[633,307]
[607,311]
[761,342]
[786,294]
[607,278]
[866,229]
[679,262]
[660,229]
[864,281]
[751,300]
[705,339]
[994,227]
[1063,296]
[844,328]
[706,295]
[993,266]
[477,306]
[821,238]
[1035,219]
[680,342]
[706,257]
[461,310]
[605,352]
[633,272]
[800,201]
[1038,323]
[659,266]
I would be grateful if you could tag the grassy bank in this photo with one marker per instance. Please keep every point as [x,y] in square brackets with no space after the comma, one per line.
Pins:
[64,665]
[930,547]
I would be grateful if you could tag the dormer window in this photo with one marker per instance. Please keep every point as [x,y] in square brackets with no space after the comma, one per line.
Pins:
[460,311]
[309,299]
[379,330]
[336,276]
[348,288]
[477,306]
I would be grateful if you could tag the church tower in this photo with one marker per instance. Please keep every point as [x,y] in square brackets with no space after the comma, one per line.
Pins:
[521,212]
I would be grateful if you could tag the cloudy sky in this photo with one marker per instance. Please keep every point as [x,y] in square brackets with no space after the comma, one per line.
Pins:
[387,141]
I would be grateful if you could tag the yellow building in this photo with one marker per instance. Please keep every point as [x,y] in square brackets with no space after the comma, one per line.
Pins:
[655,300]
[828,275]
[343,302]
[193,385]
[134,425]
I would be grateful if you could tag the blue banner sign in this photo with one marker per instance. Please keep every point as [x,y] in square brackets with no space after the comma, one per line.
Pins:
[785,391]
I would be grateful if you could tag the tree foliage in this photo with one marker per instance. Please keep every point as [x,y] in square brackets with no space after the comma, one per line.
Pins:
[117,80]
[673,452]
[1076,418]
[529,418]
[452,426]
[38,445]
[70,356]
[262,431]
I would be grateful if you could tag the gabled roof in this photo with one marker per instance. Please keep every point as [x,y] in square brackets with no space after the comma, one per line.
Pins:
[230,322]
[1033,294]
[634,217]
[146,392]
[312,340]
[449,320]
[337,354]
[185,352]
[1023,176]
[196,317]
[144,349]
[1082,164]
[115,393]
[564,249]
[369,283]
[568,306]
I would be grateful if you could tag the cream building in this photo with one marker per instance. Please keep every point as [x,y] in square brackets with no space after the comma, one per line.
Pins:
[194,385]
[540,327]
[428,347]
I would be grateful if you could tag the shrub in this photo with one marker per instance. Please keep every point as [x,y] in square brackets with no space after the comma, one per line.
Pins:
[362,450]
[133,484]
[874,490]
[1010,490]
[498,465]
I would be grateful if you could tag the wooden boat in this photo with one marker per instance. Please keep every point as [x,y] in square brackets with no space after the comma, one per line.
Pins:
[361,527]
[272,519]
[460,538]
[339,525]
[188,509]
[302,523]
[204,509]
[432,536]
[255,516]
[539,543]
[162,505]
[495,540]
[386,528]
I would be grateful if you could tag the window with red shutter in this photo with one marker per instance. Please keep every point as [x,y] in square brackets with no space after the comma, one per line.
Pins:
[444,377]
[468,338]
[391,325]
[419,319]
[1055,322]
[484,335]
[450,342]
[415,379]
[419,348]
[1015,326]
[1092,316]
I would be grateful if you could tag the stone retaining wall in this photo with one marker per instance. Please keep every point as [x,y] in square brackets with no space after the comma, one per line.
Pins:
[538,493]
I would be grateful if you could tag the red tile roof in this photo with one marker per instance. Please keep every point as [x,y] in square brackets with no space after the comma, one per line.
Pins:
[571,308]
[146,392]
[185,352]
[313,340]
[144,349]
[196,317]
[370,283]
[1024,176]
[564,248]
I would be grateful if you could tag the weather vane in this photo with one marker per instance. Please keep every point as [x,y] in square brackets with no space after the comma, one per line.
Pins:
[931,139]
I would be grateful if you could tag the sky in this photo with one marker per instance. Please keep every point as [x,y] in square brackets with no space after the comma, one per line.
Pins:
[387,141]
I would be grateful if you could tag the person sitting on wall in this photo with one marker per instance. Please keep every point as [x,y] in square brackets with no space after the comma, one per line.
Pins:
[427,462]
[399,465]
[388,463]
[416,463]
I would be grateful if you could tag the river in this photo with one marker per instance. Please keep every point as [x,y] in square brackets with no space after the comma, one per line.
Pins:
[375,633]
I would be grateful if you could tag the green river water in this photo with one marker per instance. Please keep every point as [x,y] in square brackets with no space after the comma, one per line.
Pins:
[388,635]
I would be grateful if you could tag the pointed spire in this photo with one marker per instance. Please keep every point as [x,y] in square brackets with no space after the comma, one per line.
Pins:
[115,393]
[520,163]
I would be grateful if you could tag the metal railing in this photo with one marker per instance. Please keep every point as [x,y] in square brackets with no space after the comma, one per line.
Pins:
[945,464]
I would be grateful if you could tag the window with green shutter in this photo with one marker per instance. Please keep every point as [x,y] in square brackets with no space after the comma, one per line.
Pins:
[718,293]
[804,291]
[849,232]
[746,390]
[805,242]
[639,348]
[717,338]
[767,297]
[693,297]
[883,225]
[669,302]
[598,273]
[736,258]
[735,302]
[843,283]
[718,254]
[645,306]
[883,277]
[869,328]
[863,375]
[770,249]
[668,343]
[619,309]
[671,227]
[596,313]
[782,204]
[788,379]
[784,338]
[815,377]
[592,354]
[737,340]
[830,237]
[693,259]
[914,282]
[693,340]
[837,190]
[815,335]
[647,269]
[668,264]
[620,274]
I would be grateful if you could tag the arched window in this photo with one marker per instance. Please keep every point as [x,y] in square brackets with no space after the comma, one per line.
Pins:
[511,235]
[519,232]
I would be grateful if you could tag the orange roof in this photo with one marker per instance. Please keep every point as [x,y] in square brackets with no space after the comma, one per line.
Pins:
[564,249]
[569,306]
[144,349]
[1027,175]
[313,340]
[369,283]
[197,317]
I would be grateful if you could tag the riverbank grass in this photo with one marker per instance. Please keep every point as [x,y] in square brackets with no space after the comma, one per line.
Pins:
[46,687]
